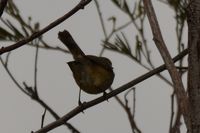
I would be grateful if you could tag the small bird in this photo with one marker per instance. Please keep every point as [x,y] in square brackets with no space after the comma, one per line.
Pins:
[93,74]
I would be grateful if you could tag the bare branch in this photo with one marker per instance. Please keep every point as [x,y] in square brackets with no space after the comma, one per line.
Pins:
[13,78]
[43,117]
[35,69]
[3,4]
[32,94]
[101,18]
[96,101]
[24,41]
[178,85]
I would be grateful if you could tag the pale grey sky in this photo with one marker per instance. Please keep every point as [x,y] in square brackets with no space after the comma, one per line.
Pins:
[57,87]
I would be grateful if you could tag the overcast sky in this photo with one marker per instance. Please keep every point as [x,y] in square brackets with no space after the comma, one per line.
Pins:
[57,87]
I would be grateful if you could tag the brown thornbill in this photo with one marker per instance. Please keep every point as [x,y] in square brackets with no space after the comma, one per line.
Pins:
[93,74]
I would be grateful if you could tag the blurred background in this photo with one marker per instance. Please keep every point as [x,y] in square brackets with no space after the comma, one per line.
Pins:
[56,86]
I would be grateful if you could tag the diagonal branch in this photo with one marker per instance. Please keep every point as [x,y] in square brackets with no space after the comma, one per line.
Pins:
[32,94]
[3,4]
[35,35]
[176,79]
[55,115]
[96,101]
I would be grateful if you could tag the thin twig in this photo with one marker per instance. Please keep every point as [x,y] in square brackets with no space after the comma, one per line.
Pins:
[134,102]
[55,115]
[102,24]
[127,110]
[119,28]
[35,69]
[24,41]
[172,112]
[174,126]
[140,29]
[13,78]
[177,123]
[175,76]
[115,92]
[101,18]
[43,117]
[36,98]
[7,59]
[51,48]
[3,4]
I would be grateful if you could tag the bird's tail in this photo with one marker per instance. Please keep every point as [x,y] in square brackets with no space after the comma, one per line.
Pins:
[66,38]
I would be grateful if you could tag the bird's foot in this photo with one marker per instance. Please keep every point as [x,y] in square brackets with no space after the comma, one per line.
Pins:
[105,95]
[81,105]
